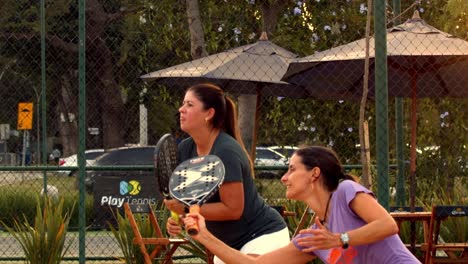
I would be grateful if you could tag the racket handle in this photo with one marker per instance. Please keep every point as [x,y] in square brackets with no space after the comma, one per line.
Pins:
[193,229]
[175,216]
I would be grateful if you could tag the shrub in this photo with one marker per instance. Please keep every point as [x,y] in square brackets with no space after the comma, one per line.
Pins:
[44,241]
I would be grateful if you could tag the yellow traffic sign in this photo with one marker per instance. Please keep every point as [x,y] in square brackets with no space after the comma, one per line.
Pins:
[25,116]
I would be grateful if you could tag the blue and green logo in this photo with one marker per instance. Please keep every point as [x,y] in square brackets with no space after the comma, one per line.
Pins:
[132,187]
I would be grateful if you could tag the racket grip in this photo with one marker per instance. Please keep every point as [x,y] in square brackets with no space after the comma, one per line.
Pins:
[193,229]
[175,216]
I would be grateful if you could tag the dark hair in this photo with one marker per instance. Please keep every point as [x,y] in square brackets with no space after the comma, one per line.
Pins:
[328,162]
[225,117]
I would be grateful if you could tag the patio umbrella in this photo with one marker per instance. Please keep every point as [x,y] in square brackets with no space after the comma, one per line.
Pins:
[422,62]
[239,70]
[254,69]
[421,59]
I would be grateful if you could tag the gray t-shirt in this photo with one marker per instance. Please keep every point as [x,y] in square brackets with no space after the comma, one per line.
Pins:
[342,218]
[258,217]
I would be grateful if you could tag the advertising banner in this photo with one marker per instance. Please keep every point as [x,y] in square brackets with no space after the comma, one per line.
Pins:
[111,192]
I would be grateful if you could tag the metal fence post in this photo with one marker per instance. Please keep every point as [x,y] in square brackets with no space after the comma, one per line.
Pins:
[81,128]
[381,101]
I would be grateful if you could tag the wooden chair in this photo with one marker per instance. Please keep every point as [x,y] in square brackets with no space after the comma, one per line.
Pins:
[303,222]
[397,209]
[403,214]
[161,244]
[456,252]
[282,211]
[406,209]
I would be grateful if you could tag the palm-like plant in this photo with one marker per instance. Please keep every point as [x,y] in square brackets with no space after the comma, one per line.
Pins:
[44,241]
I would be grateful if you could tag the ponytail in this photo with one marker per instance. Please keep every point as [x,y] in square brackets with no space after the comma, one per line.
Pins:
[347,177]
[231,127]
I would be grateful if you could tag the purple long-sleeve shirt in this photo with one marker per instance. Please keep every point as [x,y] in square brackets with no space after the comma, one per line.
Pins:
[342,218]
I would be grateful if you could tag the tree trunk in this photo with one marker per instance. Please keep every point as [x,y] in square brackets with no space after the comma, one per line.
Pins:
[270,13]
[110,94]
[247,103]
[197,39]
[107,88]
[363,126]
[68,111]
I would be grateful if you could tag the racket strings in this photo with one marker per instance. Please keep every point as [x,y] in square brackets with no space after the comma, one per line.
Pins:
[192,177]
[166,162]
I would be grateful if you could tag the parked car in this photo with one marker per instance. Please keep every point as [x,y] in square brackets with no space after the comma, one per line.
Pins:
[272,156]
[286,151]
[90,156]
[124,156]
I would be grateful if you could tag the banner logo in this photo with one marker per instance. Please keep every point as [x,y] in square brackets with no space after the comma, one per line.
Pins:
[132,187]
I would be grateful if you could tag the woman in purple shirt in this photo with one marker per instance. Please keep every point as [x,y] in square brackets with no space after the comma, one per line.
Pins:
[350,227]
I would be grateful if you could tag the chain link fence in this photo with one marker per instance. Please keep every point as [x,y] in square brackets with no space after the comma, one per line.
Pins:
[300,82]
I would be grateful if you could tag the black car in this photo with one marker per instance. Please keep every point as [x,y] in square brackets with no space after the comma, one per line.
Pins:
[124,156]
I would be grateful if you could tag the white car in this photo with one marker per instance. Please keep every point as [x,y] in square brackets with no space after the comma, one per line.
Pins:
[90,155]
[286,151]
[272,156]
[265,156]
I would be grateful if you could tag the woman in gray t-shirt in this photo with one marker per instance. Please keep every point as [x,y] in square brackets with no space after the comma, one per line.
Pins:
[237,214]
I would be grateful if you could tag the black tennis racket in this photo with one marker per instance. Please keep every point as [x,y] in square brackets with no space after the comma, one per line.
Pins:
[165,161]
[194,181]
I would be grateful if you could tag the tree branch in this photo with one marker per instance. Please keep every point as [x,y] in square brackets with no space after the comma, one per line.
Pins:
[122,13]
[51,39]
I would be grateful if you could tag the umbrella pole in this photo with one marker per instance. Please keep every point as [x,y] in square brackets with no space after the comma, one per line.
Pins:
[413,142]
[413,157]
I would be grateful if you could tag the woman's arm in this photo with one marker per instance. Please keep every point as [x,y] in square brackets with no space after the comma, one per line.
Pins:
[287,254]
[231,205]
[380,224]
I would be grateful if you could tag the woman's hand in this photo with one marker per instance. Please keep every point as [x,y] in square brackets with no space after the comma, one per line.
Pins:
[320,238]
[175,206]
[195,219]
[173,227]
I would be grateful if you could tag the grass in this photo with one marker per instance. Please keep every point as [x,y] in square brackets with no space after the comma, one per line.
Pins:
[19,198]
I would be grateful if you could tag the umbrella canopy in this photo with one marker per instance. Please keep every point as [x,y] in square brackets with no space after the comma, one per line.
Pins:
[242,70]
[254,69]
[419,56]
[422,62]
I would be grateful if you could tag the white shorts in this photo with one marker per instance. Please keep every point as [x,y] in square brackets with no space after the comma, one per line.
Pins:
[263,244]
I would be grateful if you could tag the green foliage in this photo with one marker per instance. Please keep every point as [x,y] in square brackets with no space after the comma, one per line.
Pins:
[44,241]
[457,21]
[305,125]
